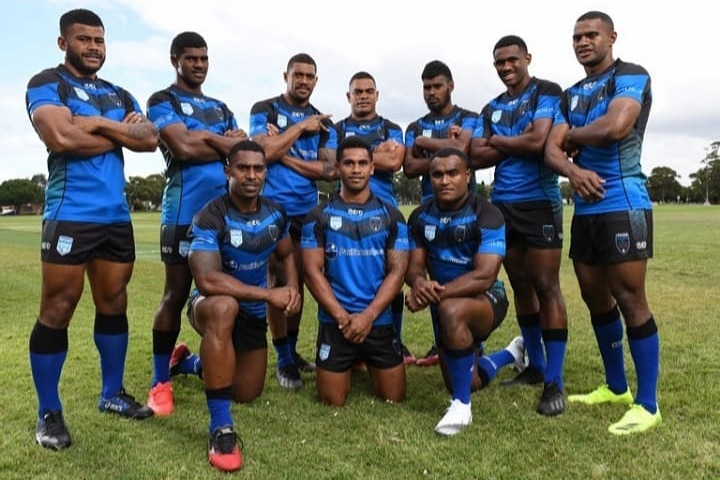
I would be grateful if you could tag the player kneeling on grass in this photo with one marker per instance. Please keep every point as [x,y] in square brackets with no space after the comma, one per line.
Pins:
[458,240]
[354,251]
[233,237]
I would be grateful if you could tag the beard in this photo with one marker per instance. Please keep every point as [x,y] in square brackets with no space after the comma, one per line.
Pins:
[78,63]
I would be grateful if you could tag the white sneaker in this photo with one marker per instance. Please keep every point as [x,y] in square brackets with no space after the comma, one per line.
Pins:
[517,349]
[457,416]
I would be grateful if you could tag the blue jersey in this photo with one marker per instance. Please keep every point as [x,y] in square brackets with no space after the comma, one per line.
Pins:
[83,189]
[189,185]
[293,191]
[521,179]
[374,132]
[437,126]
[356,239]
[244,241]
[618,163]
[452,239]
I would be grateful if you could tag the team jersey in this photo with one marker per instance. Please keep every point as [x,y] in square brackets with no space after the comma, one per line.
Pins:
[189,185]
[284,185]
[437,126]
[521,179]
[618,163]
[452,239]
[83,189]
[244,241]
[374,132]
[355,239]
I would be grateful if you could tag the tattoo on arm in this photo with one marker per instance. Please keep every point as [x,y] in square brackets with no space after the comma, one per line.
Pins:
[141,130]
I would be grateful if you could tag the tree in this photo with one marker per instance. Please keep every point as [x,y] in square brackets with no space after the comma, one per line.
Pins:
[663,185]
[408,190]
[705,185]
[145,193]
[40,179]
[566,191]
[20,191]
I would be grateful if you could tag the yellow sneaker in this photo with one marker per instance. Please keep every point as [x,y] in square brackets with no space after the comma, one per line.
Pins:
[602,394]
[636,420]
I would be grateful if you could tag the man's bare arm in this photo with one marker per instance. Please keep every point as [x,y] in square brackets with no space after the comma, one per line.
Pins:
[54,125]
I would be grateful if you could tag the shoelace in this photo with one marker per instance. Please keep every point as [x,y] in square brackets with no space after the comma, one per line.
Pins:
[226,441]
[129,399]
[54,423]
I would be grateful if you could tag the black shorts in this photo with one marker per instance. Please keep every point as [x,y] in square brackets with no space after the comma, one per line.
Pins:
[536,224]
[612,237]
[337,354]
[174,244]
[75,243]
[249,332]
[296,224]
[499,303]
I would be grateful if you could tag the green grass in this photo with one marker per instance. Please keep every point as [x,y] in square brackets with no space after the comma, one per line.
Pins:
[289,435]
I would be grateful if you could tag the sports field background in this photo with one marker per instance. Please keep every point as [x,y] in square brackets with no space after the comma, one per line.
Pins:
[289,435]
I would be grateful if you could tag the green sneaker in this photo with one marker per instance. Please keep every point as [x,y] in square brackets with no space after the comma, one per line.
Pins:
[602,394]
[636,420]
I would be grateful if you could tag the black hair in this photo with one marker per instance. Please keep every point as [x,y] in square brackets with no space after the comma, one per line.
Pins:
[434,69]
[300,58]
[362,75]
[449,152]
[244,146]
[597,15]
[186,40]
[81,16]
[352,141]
[510,40]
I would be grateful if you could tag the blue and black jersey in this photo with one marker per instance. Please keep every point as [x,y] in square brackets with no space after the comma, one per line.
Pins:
[617,163]
[244,241]
[374,132]
[356,239]
[437,126]
[452,239]
[190,185]
[83,189]
[521,179]
[293,191]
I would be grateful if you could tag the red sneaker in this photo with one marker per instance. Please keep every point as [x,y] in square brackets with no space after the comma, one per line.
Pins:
[223,451]
[431,358]
[160,399]
[179,353]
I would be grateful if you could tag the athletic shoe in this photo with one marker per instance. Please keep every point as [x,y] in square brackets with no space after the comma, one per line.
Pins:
[516,347]
[179,353]
[552,401]
[160,399]
[302,364]
[602,394]
[223,451]
[431,358]
[51,431]
[457,416]
[636,420]
[125,406]
[408,358]
[529,376]
[289,377]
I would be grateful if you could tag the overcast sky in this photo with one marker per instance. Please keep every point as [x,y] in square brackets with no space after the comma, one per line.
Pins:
[250,43]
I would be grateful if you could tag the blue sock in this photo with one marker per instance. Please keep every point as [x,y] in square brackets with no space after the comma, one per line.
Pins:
[555,341]
[532,336]
[292,340]
[111,340]
[191,365]
[163,343]
[397,306]
[491,364]
[48,350]
[218,403]
[460,368]
[609,334]
[284,353]
[644,344]
[161,362]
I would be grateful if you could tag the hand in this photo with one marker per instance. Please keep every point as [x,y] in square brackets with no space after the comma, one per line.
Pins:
[238,133]
[426,291]
[286,299]
[358,327]
[587,184]
[272,130]
[454,131]
[387,146]
[135,117]
[315,123]
[412,303]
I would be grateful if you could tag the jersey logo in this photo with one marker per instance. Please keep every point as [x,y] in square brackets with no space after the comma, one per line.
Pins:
[81,94]
[426,133]
[622,242]
[460,234]
[430,231]
[64,245]
[548,232]
[186,108]
[335,222]
[282,121]
[331,251]
[220,113]
[236,238]
[573,102]
[324,351]
[496,116]
[375,224]
[273,230]
[183,248]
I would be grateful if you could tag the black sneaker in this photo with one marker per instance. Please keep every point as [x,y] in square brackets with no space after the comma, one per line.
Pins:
[552,401]
[124,405]
[289,377]
[51,431]
[529,376]
[302,364]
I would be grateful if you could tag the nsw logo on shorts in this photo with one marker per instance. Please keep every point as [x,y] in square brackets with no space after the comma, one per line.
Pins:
[324,351]
[64,245]
[622,242]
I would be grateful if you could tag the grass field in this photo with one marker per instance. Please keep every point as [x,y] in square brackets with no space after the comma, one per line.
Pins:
[289,435]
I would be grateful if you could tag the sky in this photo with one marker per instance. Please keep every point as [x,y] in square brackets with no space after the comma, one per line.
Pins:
[249,44]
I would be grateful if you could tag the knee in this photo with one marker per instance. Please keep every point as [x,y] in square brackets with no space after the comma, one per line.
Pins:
[332,399]
[245,395]
[220,312]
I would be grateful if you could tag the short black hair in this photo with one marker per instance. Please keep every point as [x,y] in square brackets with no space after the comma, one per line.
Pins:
[186,40]
[244,146]
[81,16]
[434,69]
[300,58]
[360,76]
[597,15]
[449,152]
[510,40]
[352,141]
